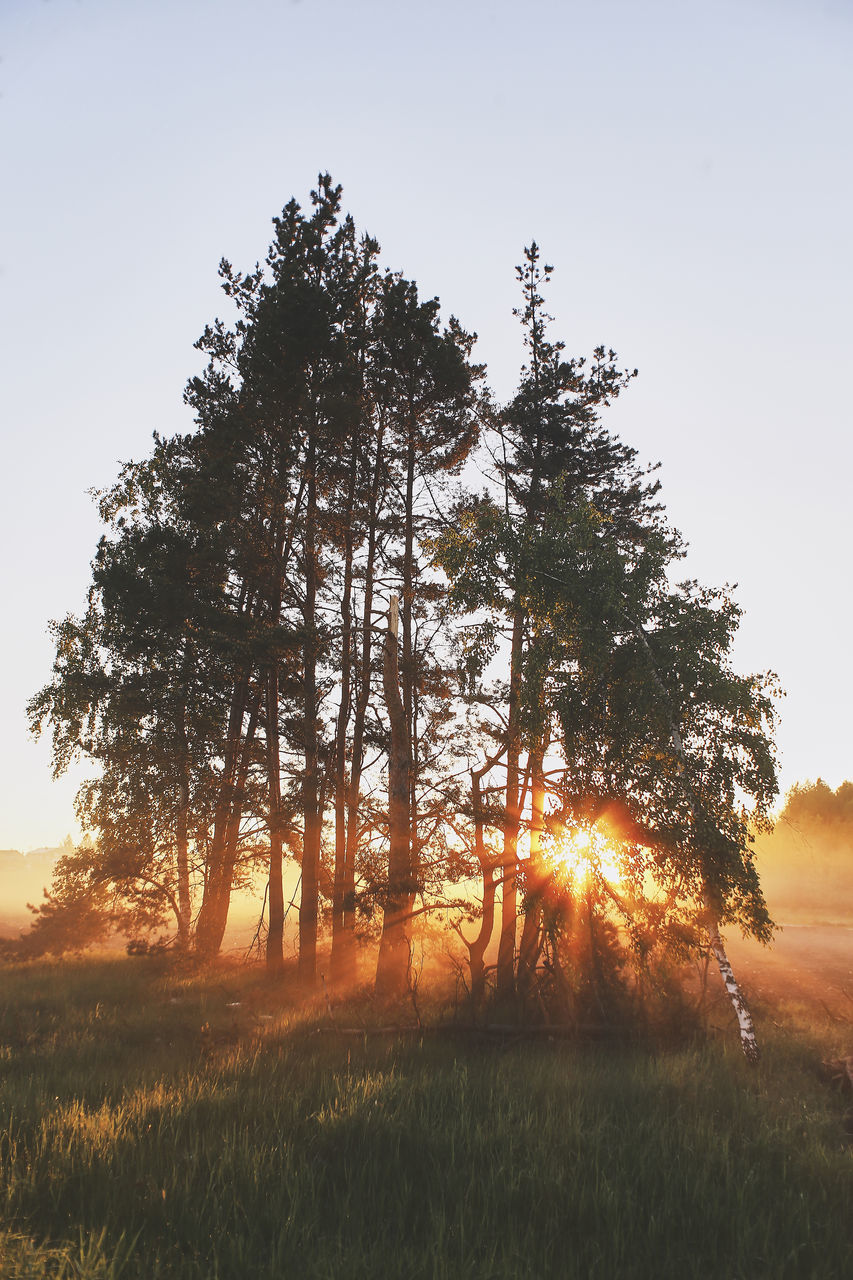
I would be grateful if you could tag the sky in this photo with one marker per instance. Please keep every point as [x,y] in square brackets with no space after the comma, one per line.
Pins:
[686,168]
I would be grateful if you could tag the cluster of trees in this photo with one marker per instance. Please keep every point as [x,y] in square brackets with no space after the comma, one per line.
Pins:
[363,618]
[806,862]
[815,805]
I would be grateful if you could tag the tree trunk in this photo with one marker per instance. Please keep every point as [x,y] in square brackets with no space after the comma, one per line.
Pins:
[531,932]
[343,945]
[509,893]
[477,948]
[275,934]
[207,943]
[408,671]
[183,865]
[182,819]
[182,860]
[393,963]
[209,937]
[311,828]
[748,1042]
[339,922]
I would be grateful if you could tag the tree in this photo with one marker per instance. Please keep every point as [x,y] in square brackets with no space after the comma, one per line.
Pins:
[282,393]
[229,682]
[138,691]
[815,805]
[683,745]
[552,454]
[426,386]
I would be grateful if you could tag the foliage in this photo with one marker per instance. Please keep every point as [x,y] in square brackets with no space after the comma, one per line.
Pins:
[77,913]
[236,686]
[811,804]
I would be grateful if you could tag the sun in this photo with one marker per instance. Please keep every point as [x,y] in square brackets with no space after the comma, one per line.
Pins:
[580,854]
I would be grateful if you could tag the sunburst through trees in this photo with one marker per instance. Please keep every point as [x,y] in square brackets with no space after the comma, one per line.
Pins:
[544,743]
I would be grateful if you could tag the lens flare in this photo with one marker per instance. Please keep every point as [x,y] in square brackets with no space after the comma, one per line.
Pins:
[584,853]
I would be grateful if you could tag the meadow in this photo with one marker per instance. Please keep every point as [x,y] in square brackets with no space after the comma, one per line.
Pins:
[158,1123]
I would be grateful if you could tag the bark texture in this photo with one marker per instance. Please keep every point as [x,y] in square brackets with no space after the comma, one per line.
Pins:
[275,935]
[393,964]
[749,1044]
[509,892]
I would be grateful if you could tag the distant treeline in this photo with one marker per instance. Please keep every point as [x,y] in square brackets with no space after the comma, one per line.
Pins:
[23,879]
[806,864]
[816,804]
[364,618]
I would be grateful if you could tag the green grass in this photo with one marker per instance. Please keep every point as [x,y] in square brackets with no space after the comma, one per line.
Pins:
[136,1144]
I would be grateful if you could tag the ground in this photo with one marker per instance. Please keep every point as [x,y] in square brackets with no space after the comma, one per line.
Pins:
[192,1125]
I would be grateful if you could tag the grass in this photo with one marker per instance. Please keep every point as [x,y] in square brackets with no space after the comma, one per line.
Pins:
[155,1125]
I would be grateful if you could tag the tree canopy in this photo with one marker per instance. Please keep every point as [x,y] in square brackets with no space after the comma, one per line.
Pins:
[424,647]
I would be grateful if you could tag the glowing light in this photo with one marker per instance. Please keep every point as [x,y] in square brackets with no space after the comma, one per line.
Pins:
[580,854]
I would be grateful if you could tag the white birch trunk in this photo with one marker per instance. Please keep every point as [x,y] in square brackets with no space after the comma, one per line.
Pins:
[748,1042]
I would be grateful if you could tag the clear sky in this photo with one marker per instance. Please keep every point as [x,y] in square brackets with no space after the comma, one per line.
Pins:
[685,166]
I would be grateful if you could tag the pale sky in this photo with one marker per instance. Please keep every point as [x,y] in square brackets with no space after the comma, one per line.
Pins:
[686,168]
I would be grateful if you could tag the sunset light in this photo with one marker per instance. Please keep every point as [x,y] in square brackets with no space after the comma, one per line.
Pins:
[579,855]
[427,439]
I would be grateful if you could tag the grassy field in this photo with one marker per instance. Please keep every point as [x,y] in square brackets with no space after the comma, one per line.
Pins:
[158,1125]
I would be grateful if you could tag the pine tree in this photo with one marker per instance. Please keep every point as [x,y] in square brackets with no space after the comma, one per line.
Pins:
[552,454]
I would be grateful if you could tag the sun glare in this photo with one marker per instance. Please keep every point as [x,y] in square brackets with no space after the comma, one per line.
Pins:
[578,854]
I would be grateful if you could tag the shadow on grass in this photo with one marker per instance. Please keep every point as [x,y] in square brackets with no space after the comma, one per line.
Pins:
[198,1116]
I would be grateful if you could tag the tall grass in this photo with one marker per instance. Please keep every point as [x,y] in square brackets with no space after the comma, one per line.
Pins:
[158,1126]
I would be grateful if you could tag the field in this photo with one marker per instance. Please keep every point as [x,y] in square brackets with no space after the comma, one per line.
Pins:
[160,1124]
